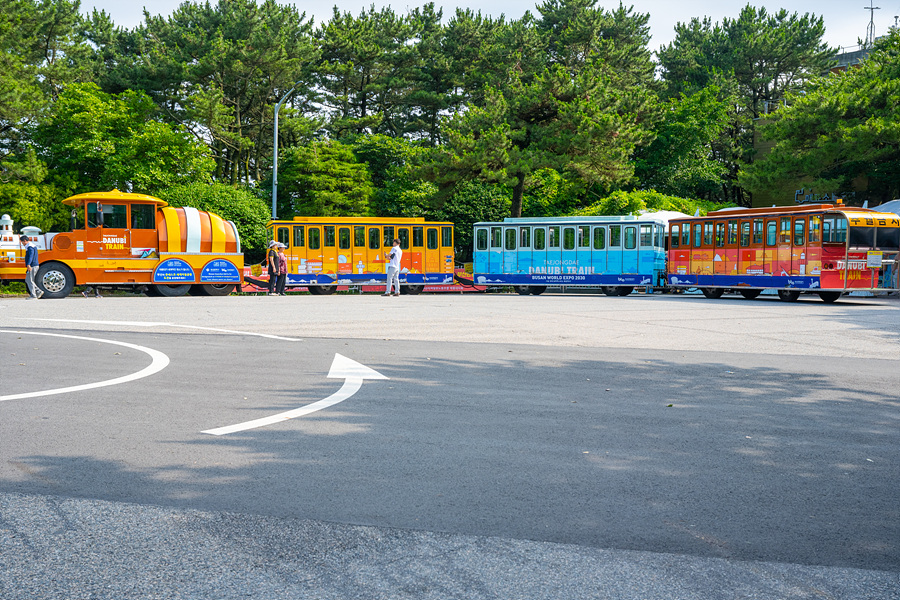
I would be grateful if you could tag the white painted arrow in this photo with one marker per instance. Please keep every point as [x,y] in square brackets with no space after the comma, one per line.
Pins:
[342,367]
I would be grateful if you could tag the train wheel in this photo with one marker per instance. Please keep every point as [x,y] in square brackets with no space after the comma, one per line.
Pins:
[172,291]
[624,290]
[212,289]
[322,290]
[412,290]
[522,290]
[610,290]
[750,294]
[829,297]
[788,295]
[712,293]
[537,290]
[56,280]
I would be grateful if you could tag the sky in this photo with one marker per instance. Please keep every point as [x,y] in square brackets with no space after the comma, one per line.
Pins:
[845,20]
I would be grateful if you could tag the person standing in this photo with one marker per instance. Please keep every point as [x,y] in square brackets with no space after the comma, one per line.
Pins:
[31,266]
[393,269]
[272,266]
[282,270]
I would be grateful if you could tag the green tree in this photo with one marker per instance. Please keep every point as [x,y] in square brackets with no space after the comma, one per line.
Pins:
[623,203]
[842,128]
[471,202]
[323,179]
[397,191]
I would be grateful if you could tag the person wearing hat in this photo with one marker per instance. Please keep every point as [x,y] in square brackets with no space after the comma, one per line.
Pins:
[31,266]
[282,269]
[272,265]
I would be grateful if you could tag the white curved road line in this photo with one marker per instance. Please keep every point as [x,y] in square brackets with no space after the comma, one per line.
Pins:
[163,324]
[159,362]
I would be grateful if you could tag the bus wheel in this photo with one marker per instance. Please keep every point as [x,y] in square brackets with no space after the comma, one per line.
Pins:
[172,291]
[712,293]
[750,294]
[829,297]
[522,290]
[788,295]
[56,280]
[322,290]
[610,290]
[412,290]
[537,290]
[212,289]
[624,290]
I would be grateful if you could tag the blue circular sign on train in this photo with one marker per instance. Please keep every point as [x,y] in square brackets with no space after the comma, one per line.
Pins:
[220,271]
[173,270]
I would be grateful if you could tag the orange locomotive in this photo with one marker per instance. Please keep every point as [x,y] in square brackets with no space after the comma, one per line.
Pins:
[826,249]
[121,239]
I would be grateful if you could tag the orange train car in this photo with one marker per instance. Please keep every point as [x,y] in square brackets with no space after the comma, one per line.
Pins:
[825,249]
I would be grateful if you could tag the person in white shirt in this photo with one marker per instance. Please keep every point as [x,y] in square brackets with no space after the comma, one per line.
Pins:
[393,269]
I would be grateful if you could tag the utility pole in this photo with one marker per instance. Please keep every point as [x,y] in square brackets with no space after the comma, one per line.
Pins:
[275,151]
[870,32]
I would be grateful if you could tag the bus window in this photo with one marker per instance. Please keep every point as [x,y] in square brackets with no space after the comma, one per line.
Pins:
[388,236]
[686,235]
[584,236]
[418,236]
[615,236]
[771,232]
[745,234]
[599,238]
[374,238]
[446,236]
[143,216]
[708,233]
[784,231]
[511,239]
[299,241]
[359,236]
[432,238]
[676,235]
[568,238]
[313,240]
[403,236]
[344,238]
[630,238]
[524,237]
[496,237]
[720,234]
[553,242]
[732,232]
[800,232]
[540,238]
[646,235]
[815,228]
[329,236]
[481,239]
[757,231]
[284,235]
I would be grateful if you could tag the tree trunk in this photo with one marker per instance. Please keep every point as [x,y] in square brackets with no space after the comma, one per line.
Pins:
[518,192]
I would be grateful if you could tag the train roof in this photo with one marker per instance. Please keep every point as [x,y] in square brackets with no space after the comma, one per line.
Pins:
[662,216]
[856,215]
[116,195]
[359,221]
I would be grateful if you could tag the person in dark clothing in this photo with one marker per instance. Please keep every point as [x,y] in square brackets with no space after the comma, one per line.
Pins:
[272,265]
[31,266]
[282,271]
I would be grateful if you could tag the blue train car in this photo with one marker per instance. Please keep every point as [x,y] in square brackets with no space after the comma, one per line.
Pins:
[614,253]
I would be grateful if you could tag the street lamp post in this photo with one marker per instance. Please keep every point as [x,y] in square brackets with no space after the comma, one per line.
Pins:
[275,153]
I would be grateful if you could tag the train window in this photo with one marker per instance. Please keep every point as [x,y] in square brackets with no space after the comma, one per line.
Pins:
[646,235]
[284,235]
[599,238]
[313,239]
[834,229]
[143,216]
[481,239]
[630,238]
[447,237]
[676,235]
[745,234]
[388,236]
[658,238]
[584,236]
[771,233]
[732,232]
[524,237]
[496,237]
[540,238]
[708,233]
[329,236]
[815,229]
[511,239]
[720,234]
[757,231]
[800,232]
[553,234]
[359,236]
[432,238]
[344,238]
[374,238]
[403,236]
[686,235]
[299,238]
[698,235]
[784,231]
[568,238]
[615,236]
[888,238]
[418,236]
